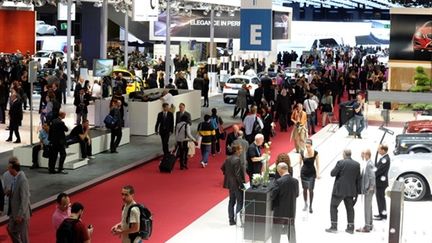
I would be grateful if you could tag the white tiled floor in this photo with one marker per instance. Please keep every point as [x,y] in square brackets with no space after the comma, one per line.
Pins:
[213,226]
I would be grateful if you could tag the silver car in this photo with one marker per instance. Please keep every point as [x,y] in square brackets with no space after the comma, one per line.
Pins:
[415,170]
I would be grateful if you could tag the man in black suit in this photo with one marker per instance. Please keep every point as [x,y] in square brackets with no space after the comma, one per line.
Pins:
[81,134]
[231,137]
[15,117]
[116,129]
[284,196]
[381,181]
[183,112]
[57,138]
[165,126]
[346,188]
[234,178]
[81,102]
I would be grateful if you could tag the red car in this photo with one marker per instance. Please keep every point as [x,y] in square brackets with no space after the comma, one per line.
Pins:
[420,126]
[422,38]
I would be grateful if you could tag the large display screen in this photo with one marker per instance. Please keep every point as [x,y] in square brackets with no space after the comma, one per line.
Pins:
[411,37]
[17,31]
[281,25]
[197,25]
[102,67]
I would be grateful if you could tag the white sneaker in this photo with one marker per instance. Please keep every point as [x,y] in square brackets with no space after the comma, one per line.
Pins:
[203,164]
[91,157]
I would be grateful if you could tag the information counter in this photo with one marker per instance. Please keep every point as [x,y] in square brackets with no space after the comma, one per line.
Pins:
[143,115]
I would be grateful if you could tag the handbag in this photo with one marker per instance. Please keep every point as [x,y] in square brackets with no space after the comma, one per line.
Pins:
[46,151]
[191,149]
[110,121]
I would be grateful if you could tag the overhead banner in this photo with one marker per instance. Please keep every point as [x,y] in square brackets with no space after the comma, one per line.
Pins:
[145,10]
[256,25]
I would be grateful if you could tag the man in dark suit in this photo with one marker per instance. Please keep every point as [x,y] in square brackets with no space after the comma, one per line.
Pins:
[284,196]
[15,117]
[116,129]
[231,137]
[81,102]
[165,126]
[19,204]
[381,181]
[234,178]
[346,188]
[57,140]
[183,112]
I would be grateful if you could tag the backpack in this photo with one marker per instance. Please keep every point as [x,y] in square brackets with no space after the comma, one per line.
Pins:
[214,121]
[66,231]
[146,222]
[110,121]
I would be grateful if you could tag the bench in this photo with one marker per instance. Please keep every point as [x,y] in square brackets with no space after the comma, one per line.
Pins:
[100,143]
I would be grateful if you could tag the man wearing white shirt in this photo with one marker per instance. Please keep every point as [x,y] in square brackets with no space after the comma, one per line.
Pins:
[310,106]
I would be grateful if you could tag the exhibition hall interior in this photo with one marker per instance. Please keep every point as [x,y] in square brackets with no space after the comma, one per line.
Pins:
[188,121]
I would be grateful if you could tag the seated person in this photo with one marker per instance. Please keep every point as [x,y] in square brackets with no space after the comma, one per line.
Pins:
[43,138]
[80,134]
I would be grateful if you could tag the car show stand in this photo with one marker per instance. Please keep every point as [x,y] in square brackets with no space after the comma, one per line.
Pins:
[143,115]
[100,142]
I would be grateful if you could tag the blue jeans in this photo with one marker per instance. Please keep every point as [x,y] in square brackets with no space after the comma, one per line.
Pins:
[350,126]
[359,121]
[205,152]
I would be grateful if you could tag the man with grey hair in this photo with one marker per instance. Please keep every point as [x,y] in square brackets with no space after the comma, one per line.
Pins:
[345,188]
[254,156]
[244,144]
[367,189]
[284,196]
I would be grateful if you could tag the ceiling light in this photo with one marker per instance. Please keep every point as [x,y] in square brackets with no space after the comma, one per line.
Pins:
[218,13]
[39,3]
[98,4]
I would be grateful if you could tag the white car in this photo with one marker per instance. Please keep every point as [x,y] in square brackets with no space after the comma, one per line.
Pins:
[45,29]
[415,171]
[44,55]
[234,83]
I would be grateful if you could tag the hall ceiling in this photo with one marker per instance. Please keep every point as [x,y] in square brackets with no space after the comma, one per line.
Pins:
[366,4]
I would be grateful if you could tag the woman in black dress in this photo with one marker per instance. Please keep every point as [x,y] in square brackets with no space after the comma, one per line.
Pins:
[309,164]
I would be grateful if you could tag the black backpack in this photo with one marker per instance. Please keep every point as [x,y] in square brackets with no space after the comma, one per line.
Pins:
[146,222]
[66,231]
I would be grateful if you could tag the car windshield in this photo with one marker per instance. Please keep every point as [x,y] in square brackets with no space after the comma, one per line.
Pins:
[42,54]
[238,81]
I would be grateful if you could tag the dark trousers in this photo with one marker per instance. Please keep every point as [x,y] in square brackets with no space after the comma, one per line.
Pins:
[284,121]
[13,128]
[235,198]
[35,154]
[241,110]
[381,201]
[165,141]
[63,96]
[311,122]
[86,149]
[349,206]
[283,225]
[116,135]
[2,113]
[206,99]
[182,153]
[215,146]
[57,148]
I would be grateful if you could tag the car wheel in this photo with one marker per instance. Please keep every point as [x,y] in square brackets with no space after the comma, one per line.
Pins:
[415,187]
[419,150]
[226,100]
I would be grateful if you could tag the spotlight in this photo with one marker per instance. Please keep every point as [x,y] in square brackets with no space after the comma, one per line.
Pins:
[16,2]
[231,13]
[39,3]
[98,4]
[218,13]
[52,2]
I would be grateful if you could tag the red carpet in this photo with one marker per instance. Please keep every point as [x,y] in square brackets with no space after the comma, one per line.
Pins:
[176,199]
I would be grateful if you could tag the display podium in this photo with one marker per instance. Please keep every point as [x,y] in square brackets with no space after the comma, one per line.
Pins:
[258,214]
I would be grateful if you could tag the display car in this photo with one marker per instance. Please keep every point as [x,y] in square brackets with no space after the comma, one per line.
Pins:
[415,171]
[234,83]
[134,83]
[45,55]
[422,38]
[415,138]
[45,29]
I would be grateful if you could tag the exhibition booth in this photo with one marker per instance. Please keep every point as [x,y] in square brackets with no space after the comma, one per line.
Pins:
[143,115]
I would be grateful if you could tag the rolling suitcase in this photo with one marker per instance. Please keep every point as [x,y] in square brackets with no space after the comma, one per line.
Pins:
[167,163]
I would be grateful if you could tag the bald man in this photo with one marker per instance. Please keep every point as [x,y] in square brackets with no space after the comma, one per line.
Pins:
[231,137]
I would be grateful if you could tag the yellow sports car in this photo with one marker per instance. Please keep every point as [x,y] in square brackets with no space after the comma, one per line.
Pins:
[134,83]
